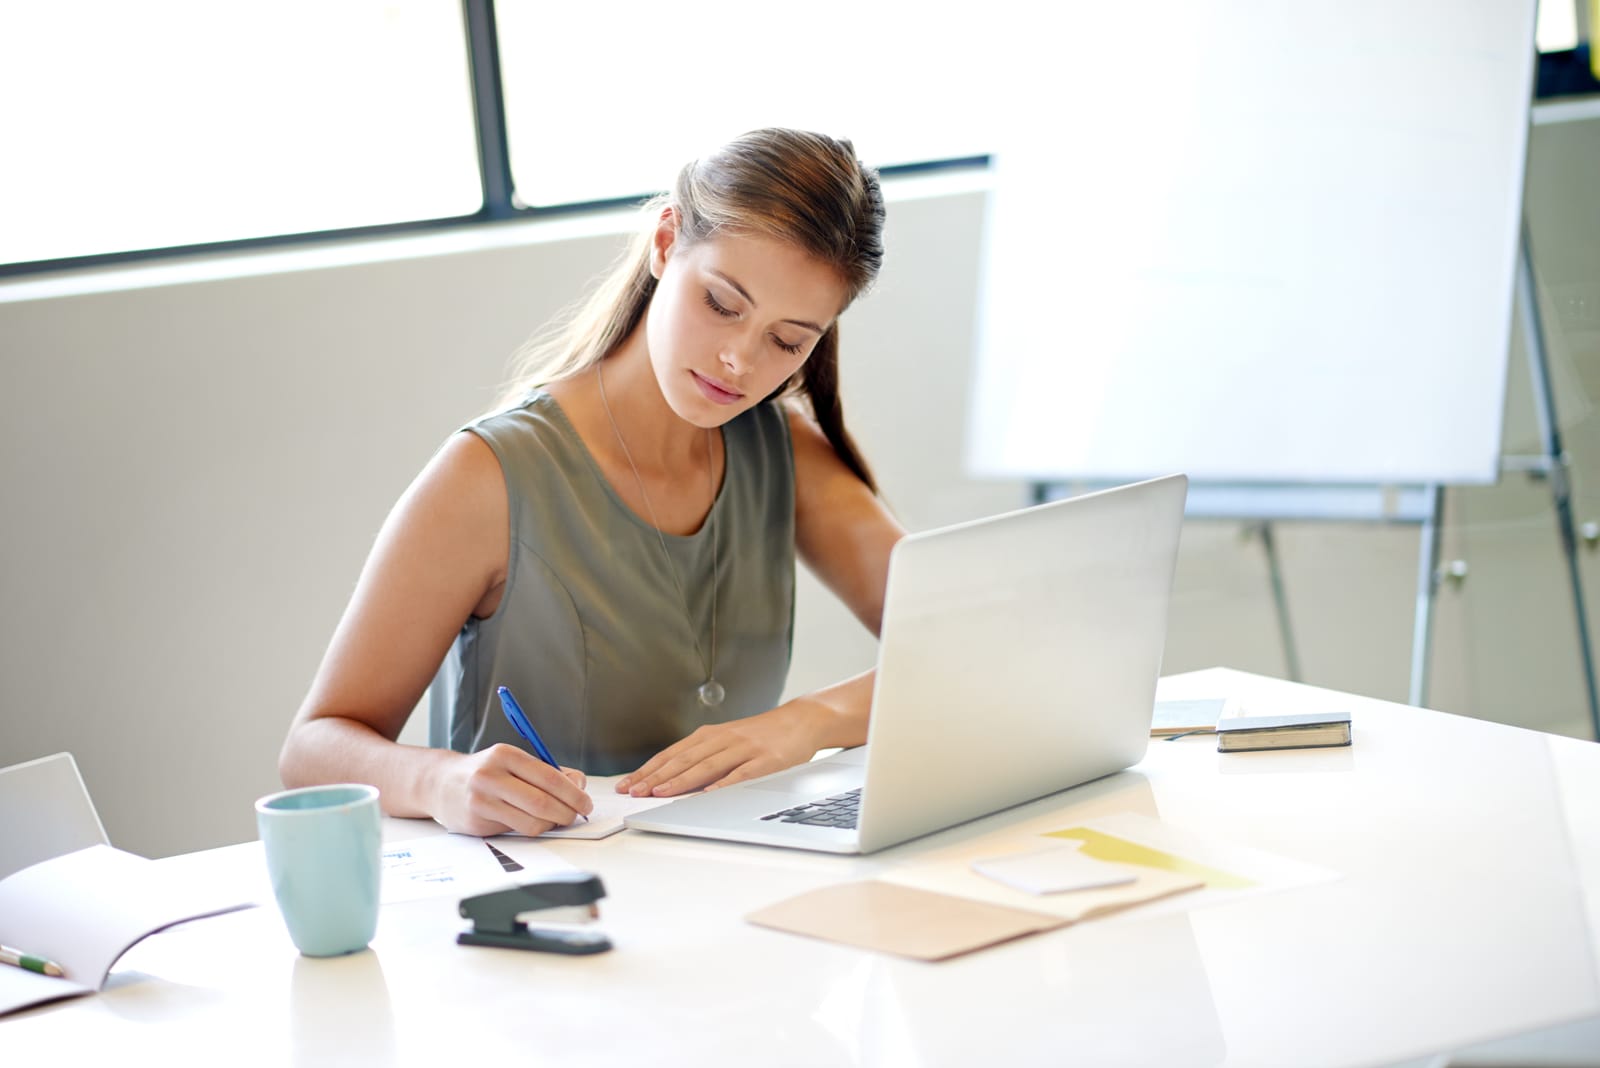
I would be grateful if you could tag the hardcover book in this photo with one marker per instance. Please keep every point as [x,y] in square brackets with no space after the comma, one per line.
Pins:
[1318,730]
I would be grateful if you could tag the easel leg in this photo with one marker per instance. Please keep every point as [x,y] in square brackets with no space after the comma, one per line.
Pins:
[1555,463]
[1427,583]
[1291,655]
[1563,504]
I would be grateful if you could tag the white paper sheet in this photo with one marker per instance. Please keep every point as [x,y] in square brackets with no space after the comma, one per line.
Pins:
[1054,869]
[610,809]
[1230,870]
[458,864]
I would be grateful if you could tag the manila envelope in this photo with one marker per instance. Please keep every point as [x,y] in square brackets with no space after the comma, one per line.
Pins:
[902,920]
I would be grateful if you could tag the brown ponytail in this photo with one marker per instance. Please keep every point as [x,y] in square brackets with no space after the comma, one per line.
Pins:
[818,381]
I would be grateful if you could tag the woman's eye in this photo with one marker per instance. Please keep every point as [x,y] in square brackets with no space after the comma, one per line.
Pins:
[711,302]
[793,350]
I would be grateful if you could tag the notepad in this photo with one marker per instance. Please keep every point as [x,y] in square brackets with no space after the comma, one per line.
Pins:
[610,809]
[1056,869]
[902,920]
[1173,718]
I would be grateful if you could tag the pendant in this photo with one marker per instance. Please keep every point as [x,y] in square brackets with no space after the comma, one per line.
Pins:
[711,693]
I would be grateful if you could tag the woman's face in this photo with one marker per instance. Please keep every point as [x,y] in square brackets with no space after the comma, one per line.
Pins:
[732,319]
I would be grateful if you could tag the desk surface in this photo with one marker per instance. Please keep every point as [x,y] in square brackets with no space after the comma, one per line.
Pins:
[1467,909]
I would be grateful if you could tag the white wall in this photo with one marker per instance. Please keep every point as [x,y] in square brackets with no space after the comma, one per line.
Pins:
[193,470]
[193,475]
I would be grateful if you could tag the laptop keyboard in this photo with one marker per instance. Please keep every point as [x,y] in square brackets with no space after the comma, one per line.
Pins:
[839,810]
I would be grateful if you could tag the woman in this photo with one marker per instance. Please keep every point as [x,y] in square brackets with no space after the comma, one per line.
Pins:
[617,545]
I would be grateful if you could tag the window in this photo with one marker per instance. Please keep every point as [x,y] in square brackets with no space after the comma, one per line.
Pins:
[1557,29]
[178,122]
[608,100]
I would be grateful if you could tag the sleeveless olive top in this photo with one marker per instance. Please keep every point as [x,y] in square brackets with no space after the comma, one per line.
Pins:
[591,634]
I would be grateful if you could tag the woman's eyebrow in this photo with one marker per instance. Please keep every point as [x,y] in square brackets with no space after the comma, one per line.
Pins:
[806,323]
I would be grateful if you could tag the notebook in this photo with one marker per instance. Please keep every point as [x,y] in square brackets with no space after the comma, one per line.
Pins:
[1018,657]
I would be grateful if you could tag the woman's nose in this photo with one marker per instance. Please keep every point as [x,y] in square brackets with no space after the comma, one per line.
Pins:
[737,355]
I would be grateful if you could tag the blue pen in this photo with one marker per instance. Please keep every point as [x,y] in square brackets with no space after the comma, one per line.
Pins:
[523,727]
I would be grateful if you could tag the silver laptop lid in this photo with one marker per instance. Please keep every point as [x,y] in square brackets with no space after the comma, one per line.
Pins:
[1019,656]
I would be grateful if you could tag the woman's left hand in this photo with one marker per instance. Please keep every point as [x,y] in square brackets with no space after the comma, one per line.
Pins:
[721,754]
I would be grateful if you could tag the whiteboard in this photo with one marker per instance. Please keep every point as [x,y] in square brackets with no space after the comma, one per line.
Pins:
[1255,240]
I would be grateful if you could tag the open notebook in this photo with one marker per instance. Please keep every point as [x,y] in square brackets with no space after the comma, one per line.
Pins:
[67,896]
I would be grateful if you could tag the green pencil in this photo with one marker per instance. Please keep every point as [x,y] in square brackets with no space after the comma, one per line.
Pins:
[29,961]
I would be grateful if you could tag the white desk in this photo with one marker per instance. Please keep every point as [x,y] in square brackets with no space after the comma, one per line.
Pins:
[1468,909]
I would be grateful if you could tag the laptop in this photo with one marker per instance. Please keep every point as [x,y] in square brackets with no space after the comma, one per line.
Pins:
[1018,657]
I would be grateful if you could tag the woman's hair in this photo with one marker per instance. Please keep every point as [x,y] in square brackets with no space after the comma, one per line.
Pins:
[803,188]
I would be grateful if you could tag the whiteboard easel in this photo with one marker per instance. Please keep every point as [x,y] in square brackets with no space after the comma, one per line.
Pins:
[1284,268]
[1419,505]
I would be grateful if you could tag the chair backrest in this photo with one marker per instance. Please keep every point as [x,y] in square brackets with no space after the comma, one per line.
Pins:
[46,811]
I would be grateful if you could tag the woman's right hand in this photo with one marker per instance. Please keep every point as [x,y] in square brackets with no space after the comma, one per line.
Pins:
[502,789]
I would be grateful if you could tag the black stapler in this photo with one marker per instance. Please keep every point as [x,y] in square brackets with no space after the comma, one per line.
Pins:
[565,900]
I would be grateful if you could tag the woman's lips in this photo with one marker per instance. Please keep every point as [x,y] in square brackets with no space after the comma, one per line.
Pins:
[713,391]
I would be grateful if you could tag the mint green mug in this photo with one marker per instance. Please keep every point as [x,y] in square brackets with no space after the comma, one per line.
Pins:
[324,855]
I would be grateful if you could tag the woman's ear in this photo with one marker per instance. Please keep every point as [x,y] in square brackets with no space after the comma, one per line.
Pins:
[662,241]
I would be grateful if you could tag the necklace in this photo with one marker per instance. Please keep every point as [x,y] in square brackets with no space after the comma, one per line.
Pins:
[710,691]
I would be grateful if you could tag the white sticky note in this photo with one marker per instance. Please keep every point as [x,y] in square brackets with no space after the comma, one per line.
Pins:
[1053,870]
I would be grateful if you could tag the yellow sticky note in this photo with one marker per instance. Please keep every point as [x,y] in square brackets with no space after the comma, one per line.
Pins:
[1121,851]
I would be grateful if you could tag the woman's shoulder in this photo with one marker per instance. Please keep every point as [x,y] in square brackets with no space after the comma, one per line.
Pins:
[543,459]
[800,426]
[534,411]
[530,426]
